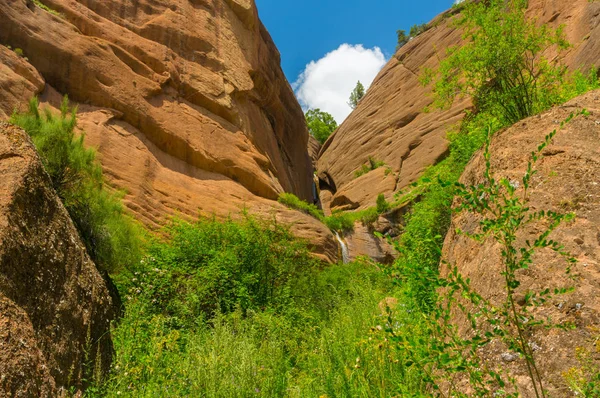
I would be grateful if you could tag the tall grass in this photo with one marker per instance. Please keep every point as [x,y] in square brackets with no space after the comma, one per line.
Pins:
[309,338]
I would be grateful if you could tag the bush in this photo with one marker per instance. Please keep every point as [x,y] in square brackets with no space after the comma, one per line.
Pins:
[370,166]
[382,204]
[501,66]
[111,237]
[211,267]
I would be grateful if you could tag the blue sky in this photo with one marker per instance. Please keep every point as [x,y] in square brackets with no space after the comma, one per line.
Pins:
[326,46]
[306,30]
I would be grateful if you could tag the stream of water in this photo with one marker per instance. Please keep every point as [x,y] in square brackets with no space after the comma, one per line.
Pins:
[345,254]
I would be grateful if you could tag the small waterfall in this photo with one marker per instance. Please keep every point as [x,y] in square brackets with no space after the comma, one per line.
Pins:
[345,254]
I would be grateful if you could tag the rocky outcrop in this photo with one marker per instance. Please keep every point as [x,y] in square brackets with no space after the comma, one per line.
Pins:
[362,242]
[184,100]
[390,124]
[55,308]
[19,80]
[568,180]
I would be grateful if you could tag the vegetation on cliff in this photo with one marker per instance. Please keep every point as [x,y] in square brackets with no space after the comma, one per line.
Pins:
[356,95]
[112,239]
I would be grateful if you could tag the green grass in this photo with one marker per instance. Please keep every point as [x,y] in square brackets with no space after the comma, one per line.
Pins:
[198,324]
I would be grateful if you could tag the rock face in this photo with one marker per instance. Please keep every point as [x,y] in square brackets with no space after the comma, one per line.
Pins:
[389,124]
[185,101]
[568,180]
[55,308]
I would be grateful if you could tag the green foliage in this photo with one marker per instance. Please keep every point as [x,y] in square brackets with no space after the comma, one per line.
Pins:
[402,38]
[428,320]
[111,237]
[19,52]
[293,202]
[46,8]
[579,83]
[415,31]
[339,221]
[584,380]
[279,326]
[504,214]
[382,204]
[501,66]
[320,124]
[214,267]
[356,95]
[368,167]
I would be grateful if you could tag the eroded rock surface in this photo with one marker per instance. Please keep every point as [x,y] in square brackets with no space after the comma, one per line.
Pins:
[55,308]
[568,180]
[185,101]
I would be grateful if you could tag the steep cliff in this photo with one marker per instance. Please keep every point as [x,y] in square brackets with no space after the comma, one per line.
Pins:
[185,101]
[55,308]
[568,180]
[390,124]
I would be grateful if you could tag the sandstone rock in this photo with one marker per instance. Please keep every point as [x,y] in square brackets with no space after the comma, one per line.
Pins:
[568,180]
[18,82]
[185,102]
[390,125]
[55,308]
[314,147]
[362,242]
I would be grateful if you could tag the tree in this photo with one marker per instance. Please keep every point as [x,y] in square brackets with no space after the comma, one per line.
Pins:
[320,124]
[402,38]
[416,30]
[501,66]
[357,94]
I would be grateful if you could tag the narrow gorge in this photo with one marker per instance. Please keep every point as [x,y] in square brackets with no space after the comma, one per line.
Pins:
[268,264]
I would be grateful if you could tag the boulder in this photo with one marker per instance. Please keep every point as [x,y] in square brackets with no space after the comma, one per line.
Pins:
[567,180]
[55,307]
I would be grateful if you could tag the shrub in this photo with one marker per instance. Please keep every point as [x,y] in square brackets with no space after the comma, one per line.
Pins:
[382,204]
[370,166]
[501,66]
[308,348]
[341,221]
[416,30]
[211,267]
[111,237]
[19,52]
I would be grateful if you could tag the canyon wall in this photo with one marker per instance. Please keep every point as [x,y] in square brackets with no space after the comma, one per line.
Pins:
[390,124]
[185,101]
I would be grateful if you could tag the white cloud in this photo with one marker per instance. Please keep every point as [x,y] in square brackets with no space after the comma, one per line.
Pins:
[328,82]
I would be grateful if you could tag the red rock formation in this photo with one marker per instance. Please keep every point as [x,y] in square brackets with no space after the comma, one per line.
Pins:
[55,308]
[390,125]
[185,101]
[568,180]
